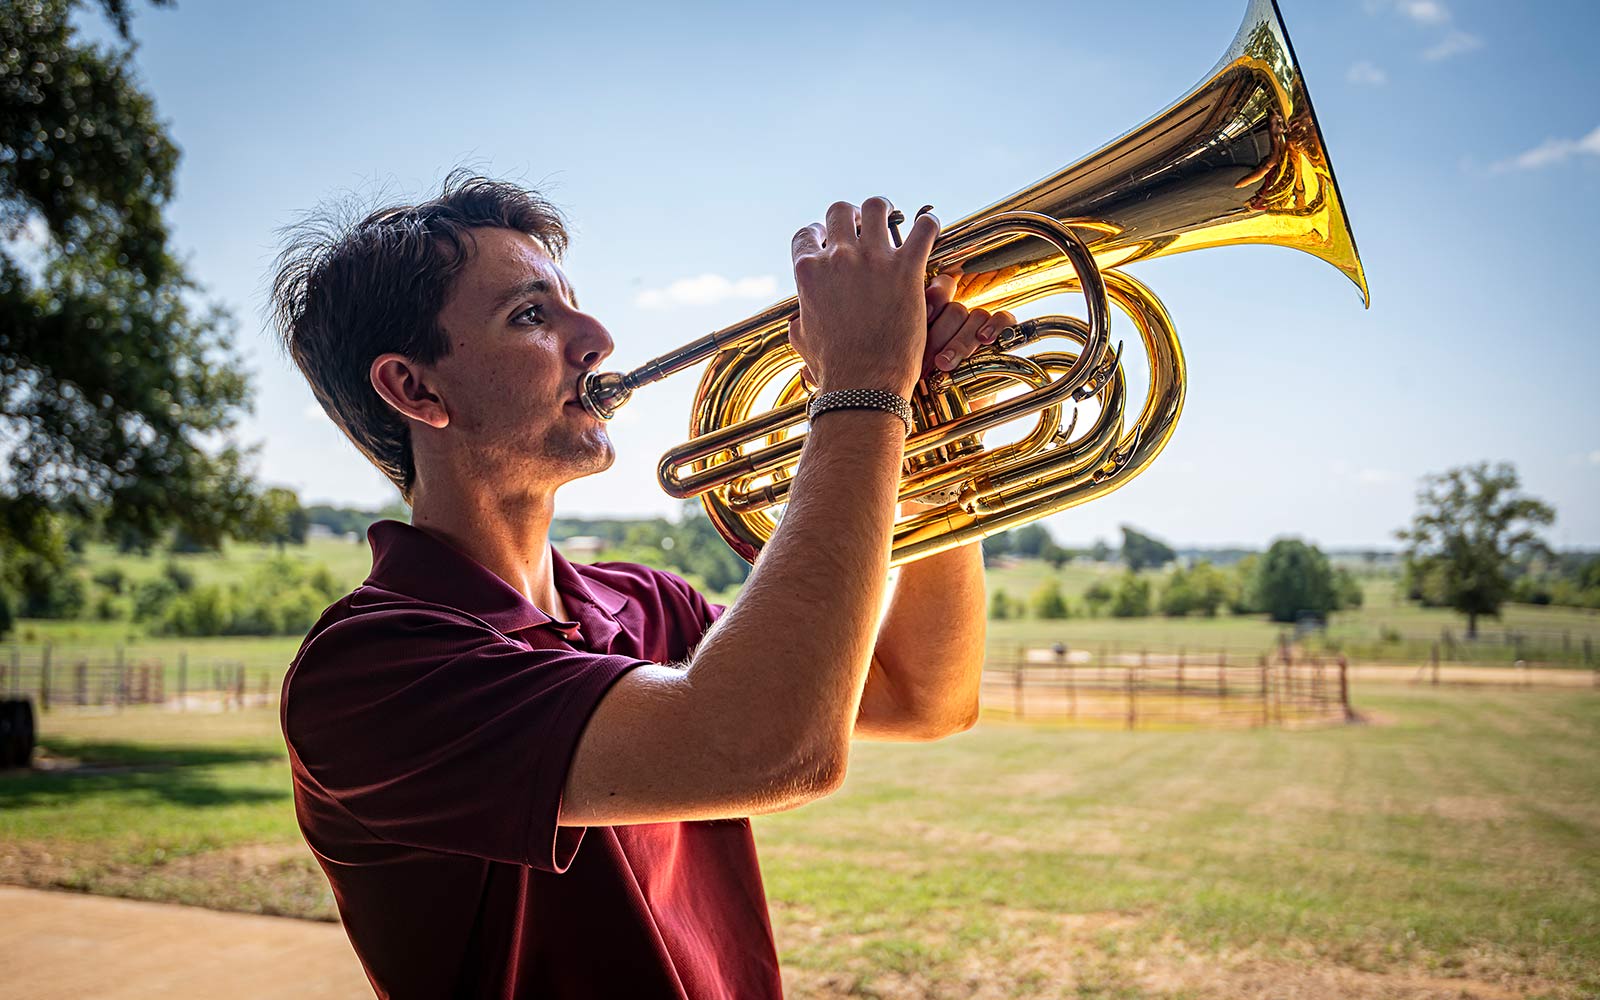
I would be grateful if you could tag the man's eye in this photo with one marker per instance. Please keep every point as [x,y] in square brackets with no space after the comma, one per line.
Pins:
[532,314]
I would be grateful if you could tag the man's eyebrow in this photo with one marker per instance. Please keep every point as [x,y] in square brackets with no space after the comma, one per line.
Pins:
[532,286]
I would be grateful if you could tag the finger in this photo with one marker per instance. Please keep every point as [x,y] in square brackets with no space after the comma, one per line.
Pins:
[808,240]
[919,242]
[941,290]
[945,326]
[843,220]
[965,341]
[875,223]
[999,321]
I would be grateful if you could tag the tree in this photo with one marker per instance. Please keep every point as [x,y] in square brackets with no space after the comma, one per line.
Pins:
[996,546]
[1000,607]
[1140,551]
[1202,587]
[1100,552]
[1057,556]
[1245,594]
[1132,597]
[1031,540]
[276,519]
[1347,589]
[1294,577]
[113,372]
[1470,528]
[1097,596]
[1048,603]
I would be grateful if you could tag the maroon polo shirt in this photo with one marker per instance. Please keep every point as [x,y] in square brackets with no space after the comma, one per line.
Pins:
[431,716]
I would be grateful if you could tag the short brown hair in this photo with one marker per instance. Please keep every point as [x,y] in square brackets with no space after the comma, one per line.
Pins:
[345,293]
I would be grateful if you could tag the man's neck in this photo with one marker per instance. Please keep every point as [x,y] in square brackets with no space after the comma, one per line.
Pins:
[508,534]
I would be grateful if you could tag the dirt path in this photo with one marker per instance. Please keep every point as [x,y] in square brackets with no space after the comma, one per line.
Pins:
[67,946]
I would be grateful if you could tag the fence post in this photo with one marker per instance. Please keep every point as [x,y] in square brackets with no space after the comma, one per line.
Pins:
[1016,689]
[1344,688]
[1133,688]
[44,680]
[1436,664]
[1222,676]
[1262,667]
[80,683]
[239,686]
[183,680]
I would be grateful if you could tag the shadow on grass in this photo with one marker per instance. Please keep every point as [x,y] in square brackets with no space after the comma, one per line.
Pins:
[180,775]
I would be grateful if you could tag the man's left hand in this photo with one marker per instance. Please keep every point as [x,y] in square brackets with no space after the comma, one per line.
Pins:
[954,331]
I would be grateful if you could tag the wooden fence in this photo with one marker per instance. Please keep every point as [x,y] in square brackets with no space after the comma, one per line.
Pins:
[1161,690]
[52,681]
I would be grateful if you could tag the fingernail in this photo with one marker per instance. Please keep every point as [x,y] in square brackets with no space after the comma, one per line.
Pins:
[987,334]
[945,361]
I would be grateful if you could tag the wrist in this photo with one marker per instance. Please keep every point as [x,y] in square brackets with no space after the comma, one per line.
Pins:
[879,400]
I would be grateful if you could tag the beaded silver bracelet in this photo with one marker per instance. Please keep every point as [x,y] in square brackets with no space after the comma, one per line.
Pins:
[860,399]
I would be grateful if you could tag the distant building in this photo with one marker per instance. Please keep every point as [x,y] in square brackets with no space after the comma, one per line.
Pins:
[581,548]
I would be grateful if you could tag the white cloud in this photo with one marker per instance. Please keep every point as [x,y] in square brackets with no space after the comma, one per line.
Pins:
[1594,457]
[706,289]
[1454,44]
[313,412]
[1424,11]
[1374,477]
[1432,14]
[1552,152]
[1367,74]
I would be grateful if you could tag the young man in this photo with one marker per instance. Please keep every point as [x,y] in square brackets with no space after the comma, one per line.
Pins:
[525,777]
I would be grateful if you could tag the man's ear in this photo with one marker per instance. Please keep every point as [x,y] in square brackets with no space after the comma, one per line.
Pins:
[404,385]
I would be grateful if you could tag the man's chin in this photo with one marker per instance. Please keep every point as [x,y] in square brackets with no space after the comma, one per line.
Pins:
[585,456]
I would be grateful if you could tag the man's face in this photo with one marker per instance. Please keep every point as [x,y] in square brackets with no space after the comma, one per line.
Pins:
[518,344]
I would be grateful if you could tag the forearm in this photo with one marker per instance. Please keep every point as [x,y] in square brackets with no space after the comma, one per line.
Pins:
[930,648]
[785,666]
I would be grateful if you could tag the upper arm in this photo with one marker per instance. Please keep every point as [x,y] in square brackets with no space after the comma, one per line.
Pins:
[658,750]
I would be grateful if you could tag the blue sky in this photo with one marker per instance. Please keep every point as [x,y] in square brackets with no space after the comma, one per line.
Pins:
[688,141]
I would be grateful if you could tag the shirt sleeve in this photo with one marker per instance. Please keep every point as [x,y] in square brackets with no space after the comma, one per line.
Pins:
[433,731]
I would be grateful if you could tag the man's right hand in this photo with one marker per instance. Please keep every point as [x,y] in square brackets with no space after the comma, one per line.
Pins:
[862,302]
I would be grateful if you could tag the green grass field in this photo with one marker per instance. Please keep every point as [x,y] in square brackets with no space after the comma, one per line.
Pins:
[1450,849]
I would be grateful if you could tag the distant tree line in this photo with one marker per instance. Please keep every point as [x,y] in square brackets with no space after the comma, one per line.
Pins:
[1291,579]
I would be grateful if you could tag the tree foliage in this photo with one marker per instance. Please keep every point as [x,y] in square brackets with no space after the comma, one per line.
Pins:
[1097,596]
[276,519]
[1471,526]
[118,384]
[1131,598]
[1140,551]
[1201,587]
[1048,601]
[1294,578]
[1001,606]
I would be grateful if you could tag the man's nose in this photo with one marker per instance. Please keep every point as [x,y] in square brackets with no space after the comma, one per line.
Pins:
[590,344]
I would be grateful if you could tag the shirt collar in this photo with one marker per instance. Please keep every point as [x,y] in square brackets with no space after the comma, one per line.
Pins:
[412,561]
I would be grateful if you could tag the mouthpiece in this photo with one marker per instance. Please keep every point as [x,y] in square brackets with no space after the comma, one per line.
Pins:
[603,395]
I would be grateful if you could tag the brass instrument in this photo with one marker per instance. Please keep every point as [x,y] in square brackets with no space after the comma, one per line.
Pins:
[1239,159]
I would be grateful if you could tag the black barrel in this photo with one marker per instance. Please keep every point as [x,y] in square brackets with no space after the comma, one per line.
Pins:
[16,733]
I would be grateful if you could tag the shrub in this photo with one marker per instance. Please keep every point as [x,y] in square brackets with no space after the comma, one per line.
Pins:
[1132,597]
[1048,602]
[1000,606]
